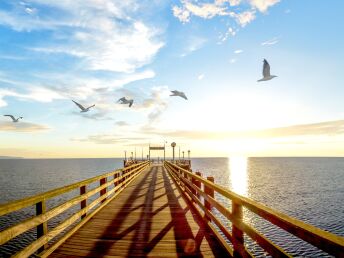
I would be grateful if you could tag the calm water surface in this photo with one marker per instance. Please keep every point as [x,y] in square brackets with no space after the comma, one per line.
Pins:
[310,189]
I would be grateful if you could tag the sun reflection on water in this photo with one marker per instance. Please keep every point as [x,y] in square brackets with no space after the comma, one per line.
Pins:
[238,174]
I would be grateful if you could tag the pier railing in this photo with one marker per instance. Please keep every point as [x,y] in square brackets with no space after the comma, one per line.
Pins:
[45,244]
[200,192]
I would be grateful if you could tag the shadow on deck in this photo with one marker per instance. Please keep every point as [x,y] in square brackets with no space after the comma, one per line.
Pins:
[150,218]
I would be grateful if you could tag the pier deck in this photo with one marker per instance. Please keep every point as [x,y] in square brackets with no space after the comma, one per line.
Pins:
[149,218]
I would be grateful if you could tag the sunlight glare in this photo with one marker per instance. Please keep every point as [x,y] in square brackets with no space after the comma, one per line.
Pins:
[238,174]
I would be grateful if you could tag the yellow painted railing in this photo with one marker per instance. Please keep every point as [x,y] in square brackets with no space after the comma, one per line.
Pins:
[197,188]
[115,181]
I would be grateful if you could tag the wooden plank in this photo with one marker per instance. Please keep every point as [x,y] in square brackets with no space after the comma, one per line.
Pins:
[149,218]
[116,190]
[69,221]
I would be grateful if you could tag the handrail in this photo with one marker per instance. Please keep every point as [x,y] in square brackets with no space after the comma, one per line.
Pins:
[191,184]
[120,178]
[22,203]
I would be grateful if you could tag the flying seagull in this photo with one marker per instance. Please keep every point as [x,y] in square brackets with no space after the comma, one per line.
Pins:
[178,93]
[15,120]
[83,109]
[126,101]
[266,72]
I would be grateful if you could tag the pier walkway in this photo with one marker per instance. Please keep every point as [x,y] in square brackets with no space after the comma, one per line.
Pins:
[150,218]
[147,210]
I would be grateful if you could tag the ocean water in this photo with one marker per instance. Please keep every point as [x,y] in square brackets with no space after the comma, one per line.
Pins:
[310,189]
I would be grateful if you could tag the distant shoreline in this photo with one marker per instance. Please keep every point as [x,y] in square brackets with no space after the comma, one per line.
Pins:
[169,158]
[10,157]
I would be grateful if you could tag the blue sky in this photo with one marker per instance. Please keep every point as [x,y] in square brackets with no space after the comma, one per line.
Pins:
[96,52]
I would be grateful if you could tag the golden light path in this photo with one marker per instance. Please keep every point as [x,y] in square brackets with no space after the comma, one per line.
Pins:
[238,174]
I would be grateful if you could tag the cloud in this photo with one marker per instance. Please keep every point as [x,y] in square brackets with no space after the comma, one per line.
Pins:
[103,34]
[98,116]
[238,51]
[109,139]
[210,9]
[233,60]
[245,18]
[50,87]
[270,42]
[182,14]
[121,123]
[263,5]
[193,44]
[200,77]
[22,127]
[230,32]
[39,94]
[157,103]
[329,128]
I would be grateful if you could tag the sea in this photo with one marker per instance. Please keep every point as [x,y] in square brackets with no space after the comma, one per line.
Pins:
[309,189]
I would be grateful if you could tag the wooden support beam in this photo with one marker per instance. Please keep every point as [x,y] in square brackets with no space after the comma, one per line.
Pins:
[83,202]
[42,229]
[103,191]
[210,192]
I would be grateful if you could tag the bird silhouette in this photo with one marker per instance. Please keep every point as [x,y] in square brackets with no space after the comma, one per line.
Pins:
[83,109]
[266,72]
[178,93]
[14,120]
[126,101]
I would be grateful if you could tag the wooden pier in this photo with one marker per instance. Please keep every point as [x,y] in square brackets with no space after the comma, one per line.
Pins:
[146,210]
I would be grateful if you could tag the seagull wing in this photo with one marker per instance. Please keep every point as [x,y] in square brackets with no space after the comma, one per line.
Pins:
[91,106]
[131,102]
[11,117]
[121,100]
[183,95]
[174,93]
[266,69]
[79,105]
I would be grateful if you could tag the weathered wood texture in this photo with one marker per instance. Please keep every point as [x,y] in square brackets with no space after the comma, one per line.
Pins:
[150,218]
[324,240]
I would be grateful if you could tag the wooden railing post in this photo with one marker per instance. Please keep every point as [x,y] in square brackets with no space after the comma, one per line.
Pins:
[238,235]
[198,183]
[83,202]
[115,176]
[42,229]
[101,182]
[210,192]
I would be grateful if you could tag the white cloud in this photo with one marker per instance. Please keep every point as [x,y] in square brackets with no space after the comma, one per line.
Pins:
[238,51]
[157,103]
[193,44]
[263,5]
[182,14]
[230,32]
[200,77]
[104,34]
[22,127]
[207,10]
[270,42]
[232,61]
[246,17]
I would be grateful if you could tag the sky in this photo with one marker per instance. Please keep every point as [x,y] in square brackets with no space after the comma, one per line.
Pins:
[97,51]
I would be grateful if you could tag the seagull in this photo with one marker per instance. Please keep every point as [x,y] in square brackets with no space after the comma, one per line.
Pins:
[83,109]
[15,120]
[126,101]
[179,94]
[266,72]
